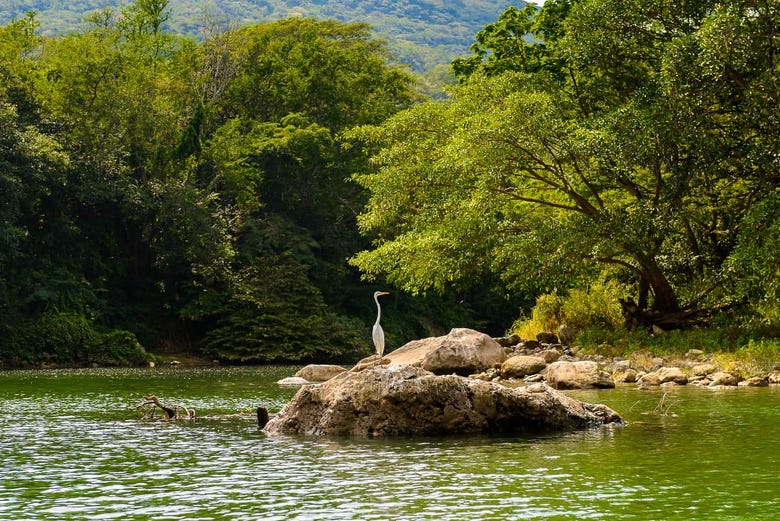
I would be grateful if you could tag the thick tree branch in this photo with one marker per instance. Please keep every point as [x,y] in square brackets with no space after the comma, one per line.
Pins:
[511,192]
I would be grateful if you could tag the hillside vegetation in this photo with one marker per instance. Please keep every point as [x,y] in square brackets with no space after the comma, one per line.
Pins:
[421,33]
[629,154]
[193,196]
[242,195]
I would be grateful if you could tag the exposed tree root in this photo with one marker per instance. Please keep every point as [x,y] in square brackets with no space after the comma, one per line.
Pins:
[636,316]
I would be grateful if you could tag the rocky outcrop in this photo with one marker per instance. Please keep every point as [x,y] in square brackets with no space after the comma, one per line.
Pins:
[583,374]
[404,400]
[319,372]
[462,351]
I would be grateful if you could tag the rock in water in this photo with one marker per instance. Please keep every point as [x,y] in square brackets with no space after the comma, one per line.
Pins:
[405,400]
[462,351]
[293,381]
[319,372]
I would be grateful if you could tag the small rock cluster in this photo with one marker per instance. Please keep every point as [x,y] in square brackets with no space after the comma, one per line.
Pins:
[549,359]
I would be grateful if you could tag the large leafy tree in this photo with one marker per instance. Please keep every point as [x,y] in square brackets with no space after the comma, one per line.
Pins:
[191,192]
[620,138]
[121,93]
[49,275]
[275,98]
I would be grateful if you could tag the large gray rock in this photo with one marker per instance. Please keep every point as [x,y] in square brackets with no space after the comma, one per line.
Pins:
[462,351]
[404,400]
[584,374]
[319,372]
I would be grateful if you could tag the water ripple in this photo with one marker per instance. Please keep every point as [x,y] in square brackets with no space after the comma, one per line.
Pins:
[89,457]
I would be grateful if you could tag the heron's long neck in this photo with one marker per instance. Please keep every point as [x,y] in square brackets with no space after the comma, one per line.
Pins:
[378,310]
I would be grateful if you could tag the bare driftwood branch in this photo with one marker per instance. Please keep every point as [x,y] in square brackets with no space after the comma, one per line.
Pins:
[152,403]
[171,412]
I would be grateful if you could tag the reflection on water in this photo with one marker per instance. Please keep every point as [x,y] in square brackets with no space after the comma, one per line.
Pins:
[72,448]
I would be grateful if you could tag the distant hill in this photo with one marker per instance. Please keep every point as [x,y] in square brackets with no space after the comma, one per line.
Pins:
[421,33]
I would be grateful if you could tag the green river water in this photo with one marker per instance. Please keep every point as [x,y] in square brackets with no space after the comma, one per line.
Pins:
[72,446]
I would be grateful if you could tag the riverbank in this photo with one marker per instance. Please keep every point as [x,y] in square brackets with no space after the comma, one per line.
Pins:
[603,365]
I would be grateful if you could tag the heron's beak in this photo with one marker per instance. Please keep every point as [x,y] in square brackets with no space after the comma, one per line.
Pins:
[384,292]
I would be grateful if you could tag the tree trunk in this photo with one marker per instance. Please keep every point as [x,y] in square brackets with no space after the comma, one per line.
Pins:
[644,293]
[665,311]
[664,296]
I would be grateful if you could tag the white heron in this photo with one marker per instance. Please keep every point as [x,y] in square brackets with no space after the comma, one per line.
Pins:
[376,333]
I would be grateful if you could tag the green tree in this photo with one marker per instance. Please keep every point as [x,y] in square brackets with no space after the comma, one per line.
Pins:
[122,235]
[276,97]
[48,305]
[336,74]
[597,150]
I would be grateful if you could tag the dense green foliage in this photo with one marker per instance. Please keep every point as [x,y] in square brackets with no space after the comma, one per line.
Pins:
[628,141]
[197,194]
[192,195]
[421,33]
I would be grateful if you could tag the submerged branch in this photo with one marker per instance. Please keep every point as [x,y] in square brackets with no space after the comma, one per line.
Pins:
[174,412]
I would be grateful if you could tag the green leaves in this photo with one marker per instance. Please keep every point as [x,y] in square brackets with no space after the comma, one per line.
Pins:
[203,193]
[275,313]
[335,74]
[754,265]
[620,154]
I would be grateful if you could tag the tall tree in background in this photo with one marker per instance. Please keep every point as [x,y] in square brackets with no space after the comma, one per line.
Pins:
[284,93]
[622,139]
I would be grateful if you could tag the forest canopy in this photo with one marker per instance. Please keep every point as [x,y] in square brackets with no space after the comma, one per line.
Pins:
[188,195]
[634,141]
[241,195]
[421,33]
